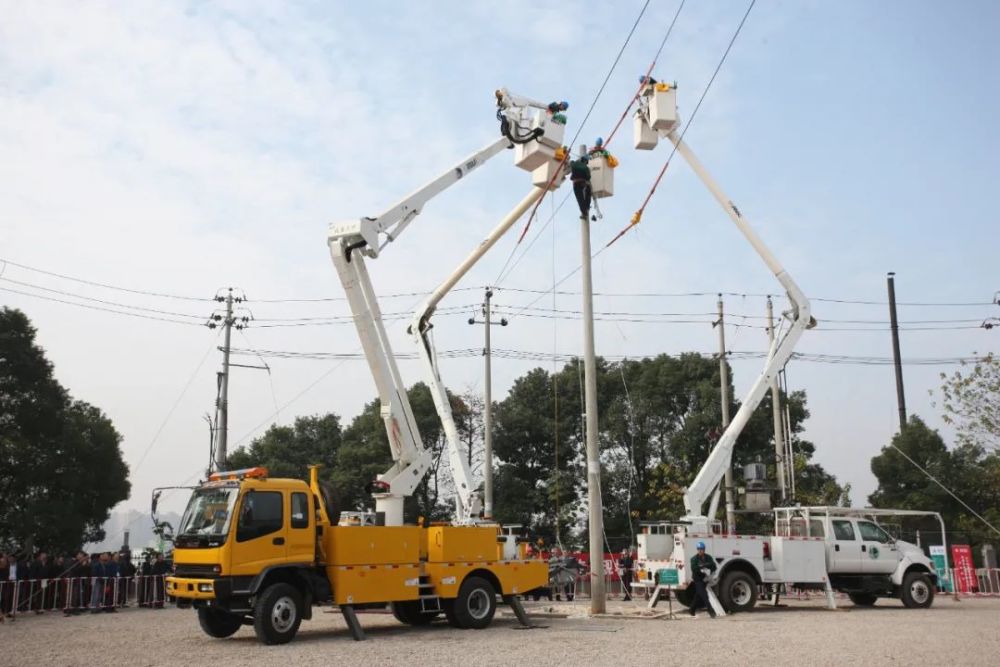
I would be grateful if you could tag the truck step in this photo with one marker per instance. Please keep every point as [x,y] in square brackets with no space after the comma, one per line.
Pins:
[430,603]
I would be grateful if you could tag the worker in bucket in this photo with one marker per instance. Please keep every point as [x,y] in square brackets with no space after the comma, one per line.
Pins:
[702,568]
[579,174]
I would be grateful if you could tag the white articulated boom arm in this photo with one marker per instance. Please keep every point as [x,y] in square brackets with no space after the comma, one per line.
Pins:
[714,469]
[467,501]
[350,242]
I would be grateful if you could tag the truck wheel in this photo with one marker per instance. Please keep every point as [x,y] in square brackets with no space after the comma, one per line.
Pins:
[684,596]
[863,599]
[449,613]
[475,605]
[917,591]
[277,614]
[409,613]
[738,592]
[219,624]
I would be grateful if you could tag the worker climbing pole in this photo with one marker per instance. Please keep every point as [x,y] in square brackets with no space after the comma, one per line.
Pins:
[579,173]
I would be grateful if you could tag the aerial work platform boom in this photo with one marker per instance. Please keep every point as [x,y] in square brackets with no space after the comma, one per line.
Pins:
[536,130]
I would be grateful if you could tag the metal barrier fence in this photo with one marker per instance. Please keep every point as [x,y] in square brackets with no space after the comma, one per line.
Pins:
[80,594]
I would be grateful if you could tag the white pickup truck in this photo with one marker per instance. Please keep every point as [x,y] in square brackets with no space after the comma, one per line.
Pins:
[818,548]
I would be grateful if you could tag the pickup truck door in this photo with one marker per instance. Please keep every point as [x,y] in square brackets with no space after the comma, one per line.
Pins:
[878,550]
[843,548]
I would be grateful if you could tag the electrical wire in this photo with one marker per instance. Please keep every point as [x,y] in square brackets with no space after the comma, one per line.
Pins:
[170,412]
[101,308]
[103,301]
[637,216]
[94,283]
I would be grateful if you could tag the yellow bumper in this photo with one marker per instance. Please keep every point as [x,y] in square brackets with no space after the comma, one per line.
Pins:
[191,589]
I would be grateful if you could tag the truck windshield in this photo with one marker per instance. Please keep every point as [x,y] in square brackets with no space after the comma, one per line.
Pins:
[208,512]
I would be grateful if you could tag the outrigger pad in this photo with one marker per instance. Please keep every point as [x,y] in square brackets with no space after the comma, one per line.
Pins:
[352,622]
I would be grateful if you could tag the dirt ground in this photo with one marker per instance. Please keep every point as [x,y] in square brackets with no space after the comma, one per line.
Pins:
[963,633]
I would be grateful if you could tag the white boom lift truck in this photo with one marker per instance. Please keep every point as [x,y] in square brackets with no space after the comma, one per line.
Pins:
[535,131]
[813,547]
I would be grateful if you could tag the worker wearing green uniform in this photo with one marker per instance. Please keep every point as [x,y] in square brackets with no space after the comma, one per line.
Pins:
[702,567]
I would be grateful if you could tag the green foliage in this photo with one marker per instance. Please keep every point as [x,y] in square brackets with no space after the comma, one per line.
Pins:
[971,402]
[61,467]
[288,451]
[658,419]
[969,471]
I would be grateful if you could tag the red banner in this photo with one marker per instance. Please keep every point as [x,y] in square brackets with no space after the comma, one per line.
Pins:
[965,571]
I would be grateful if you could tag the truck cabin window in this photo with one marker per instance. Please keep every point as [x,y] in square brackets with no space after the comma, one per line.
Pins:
[260,514]
[871,532]
[300,510]
[208,513]
[843,530]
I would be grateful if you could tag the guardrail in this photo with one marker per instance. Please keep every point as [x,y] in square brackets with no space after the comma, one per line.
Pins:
[74,595]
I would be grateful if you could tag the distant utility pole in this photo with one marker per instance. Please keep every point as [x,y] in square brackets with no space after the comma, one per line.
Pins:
[779,439]
[897,362]
[724,388]
[598,596]
[227,321]
[487,408]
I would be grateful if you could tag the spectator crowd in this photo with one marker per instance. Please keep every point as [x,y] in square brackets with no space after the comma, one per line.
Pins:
[81,583]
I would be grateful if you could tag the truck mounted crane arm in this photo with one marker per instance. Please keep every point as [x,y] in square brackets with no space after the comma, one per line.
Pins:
[657,116]
[349,243]
[714,469]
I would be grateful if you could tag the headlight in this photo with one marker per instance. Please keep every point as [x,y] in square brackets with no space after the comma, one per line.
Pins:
[205,588]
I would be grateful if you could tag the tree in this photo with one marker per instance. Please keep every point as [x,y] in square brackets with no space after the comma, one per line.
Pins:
[364,454]
[968,471]
[288,451]
[971,402]
[61,466]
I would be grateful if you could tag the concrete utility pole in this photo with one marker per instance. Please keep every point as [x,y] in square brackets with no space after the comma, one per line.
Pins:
[598,597]
[897,361]
[487,408]
[779,437]
[227,321]
[724,389]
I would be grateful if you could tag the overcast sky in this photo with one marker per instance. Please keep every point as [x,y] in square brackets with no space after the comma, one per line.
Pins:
[178,148]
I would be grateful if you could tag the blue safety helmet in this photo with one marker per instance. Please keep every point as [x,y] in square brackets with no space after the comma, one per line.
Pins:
[700,546]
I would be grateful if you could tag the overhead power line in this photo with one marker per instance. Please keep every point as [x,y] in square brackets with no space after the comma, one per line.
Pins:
[94,283]
[542,356]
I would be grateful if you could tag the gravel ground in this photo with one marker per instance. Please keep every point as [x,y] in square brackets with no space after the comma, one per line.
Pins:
[965,633]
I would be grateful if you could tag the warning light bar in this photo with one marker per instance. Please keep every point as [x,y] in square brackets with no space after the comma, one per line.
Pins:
[244,473]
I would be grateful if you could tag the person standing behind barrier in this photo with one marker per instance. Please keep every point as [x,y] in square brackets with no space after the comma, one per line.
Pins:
[159,571]
[39,572]
[626,569]
[4,573]
[76,575]
[126,572]
[142,588]
[702,567]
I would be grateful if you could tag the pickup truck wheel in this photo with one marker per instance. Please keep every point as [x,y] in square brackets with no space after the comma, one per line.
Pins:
[475,605]
[217,623]
[917,591]
[277,614]
[863,599]
[738,592]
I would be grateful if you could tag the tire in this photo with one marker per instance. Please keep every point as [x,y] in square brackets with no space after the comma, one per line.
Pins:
[863,599]
[917,591]
[277,614]
[738,592]
[409,613]
[684,596]
[475,605]
[219,624]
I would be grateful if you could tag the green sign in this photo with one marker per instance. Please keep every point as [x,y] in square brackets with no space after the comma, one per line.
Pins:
[668,577]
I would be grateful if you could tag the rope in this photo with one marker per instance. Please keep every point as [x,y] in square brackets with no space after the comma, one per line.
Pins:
[642,82]
[637,216]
